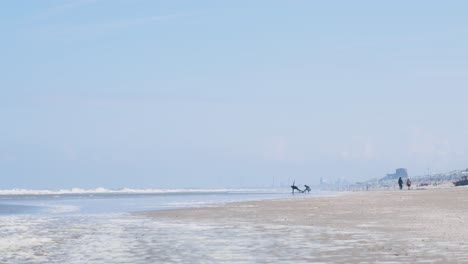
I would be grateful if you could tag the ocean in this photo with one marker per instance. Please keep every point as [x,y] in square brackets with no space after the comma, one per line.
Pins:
[99,226]
[104,201]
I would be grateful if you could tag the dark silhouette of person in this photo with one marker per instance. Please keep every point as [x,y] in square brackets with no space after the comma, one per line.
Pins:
[400,182]
[306,188]
[294,187]
[408,183]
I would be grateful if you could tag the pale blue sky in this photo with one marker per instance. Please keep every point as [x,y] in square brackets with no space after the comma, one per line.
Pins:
[150,94]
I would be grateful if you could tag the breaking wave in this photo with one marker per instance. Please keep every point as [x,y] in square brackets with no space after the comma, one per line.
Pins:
[131,191]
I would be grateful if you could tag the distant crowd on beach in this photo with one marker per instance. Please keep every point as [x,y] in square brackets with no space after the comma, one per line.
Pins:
[408,183]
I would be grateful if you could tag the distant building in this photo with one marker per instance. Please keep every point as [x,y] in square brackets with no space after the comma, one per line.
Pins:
[400,172]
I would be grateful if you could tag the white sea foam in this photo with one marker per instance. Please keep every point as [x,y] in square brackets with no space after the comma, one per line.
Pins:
[129,191]
[60,209]
[134,239]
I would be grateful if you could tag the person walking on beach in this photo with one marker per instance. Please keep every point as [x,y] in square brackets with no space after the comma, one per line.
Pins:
[400,182]
[408,183]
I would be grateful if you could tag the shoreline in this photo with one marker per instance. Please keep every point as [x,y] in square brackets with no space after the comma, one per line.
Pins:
[425,225]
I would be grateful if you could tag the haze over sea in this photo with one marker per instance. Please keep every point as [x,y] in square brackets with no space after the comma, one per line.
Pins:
[209,94]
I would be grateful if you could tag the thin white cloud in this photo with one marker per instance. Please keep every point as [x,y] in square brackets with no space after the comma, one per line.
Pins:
[359,151]
[426,145]
[283,149]
[119,24]
[62,8]
[95,29]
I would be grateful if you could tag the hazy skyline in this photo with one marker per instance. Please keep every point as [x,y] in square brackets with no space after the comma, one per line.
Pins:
[173,94]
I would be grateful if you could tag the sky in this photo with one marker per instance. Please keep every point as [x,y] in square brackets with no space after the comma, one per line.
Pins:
[229,94]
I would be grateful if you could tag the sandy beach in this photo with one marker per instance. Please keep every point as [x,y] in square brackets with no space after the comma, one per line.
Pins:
[416,226]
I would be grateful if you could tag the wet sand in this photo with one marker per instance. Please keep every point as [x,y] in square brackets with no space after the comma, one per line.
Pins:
[417,226]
